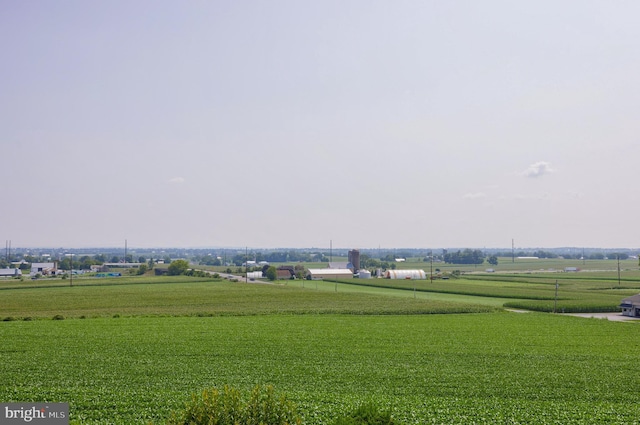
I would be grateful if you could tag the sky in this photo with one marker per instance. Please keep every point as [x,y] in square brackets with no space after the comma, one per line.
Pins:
[286,123]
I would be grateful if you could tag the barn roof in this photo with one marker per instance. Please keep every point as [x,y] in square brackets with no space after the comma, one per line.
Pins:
[631,301]
[330,271]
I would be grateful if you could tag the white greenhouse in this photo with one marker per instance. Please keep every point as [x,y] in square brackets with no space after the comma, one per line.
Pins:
[405,274]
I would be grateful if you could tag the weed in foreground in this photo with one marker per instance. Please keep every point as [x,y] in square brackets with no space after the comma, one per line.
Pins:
[227,407]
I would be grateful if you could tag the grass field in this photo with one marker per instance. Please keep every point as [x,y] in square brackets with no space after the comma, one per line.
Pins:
[148,343]
[168,296]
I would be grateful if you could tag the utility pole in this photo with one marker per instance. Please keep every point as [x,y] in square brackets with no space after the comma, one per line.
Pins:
[330,251]
[618,255]
[555,302]
[431,272]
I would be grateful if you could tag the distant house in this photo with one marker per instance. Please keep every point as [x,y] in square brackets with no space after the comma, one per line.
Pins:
[10,272]
[631,306]
[44,269]
[99,268]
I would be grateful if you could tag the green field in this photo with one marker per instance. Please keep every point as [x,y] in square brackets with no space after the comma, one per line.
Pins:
[576,293]
[182,296]
[130,351]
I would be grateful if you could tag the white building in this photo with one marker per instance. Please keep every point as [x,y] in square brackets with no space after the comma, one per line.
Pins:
[10,272]
[254,275]
[631,306]
[405,274]
[44,269]
[319,274]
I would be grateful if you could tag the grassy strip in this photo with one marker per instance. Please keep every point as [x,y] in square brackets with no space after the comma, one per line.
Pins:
[452,287]
[565,306]
[95,281]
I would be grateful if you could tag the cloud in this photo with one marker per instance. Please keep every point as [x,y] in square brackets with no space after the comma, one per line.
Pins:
[177,180]
[538,169]
[477,195]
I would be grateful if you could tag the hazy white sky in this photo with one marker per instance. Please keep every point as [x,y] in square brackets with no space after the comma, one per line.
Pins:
[295,123]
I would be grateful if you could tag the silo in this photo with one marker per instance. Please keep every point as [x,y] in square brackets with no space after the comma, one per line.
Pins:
[354,258]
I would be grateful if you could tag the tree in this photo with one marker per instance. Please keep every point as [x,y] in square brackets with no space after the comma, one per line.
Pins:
[142,269]
[619,256]
[86,262]
[65,264]
[467,256]
[493,260]
[178,267]
[271,273]
[299,271]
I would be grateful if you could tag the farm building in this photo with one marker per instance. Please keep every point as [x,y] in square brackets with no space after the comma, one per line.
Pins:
[44,269]
[285,272]
[364,274]
[319,274]
[10,272]
[405,274]
[631,306]
[254,275]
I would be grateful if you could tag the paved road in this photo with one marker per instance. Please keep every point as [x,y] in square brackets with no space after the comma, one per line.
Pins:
[614,317]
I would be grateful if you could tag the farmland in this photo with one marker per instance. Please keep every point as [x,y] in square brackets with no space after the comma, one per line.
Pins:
[130,351]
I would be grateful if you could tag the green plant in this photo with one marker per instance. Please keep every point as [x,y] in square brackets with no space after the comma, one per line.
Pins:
[367,414]
[271,273]
[226,407]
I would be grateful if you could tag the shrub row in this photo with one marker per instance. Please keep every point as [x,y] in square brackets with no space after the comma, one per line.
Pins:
[264,407]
